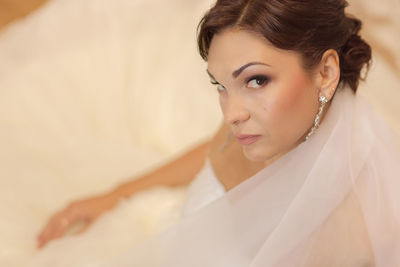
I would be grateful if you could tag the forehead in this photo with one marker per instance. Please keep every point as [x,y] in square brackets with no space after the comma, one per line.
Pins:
[233,48]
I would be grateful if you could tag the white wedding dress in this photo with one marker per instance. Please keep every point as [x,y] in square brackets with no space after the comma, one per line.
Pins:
[204,189]
[331,201]
[75,120]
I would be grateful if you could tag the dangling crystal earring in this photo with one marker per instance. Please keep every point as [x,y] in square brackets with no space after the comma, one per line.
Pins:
[322,101]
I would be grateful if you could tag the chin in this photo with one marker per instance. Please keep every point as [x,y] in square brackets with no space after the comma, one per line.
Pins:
[256,154]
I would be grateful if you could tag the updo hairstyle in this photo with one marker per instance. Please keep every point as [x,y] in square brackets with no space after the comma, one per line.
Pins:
[309,27]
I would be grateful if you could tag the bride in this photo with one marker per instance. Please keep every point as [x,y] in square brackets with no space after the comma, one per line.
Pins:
[303,173]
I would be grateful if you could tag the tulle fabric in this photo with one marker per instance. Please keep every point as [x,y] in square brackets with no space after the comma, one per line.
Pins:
[332,201]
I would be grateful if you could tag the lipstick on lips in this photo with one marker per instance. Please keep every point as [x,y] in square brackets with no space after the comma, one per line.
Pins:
[247,139]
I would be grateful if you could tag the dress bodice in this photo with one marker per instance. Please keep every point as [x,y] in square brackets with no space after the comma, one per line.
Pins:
[203,190]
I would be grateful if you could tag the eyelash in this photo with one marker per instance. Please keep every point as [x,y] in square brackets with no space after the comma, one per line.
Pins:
[261,78]
[218,84]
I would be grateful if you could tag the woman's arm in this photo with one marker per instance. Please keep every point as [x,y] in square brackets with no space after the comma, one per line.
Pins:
[178,172]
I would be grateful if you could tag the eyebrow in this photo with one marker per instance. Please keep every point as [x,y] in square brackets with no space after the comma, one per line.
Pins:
[237,72]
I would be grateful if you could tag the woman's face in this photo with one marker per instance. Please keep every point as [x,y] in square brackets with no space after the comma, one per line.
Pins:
[266,97]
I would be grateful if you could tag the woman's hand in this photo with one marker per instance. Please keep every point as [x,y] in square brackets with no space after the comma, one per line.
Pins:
[176,173]
[84,211]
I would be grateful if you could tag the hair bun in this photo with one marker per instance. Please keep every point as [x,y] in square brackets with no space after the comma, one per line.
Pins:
[307,27]
[354,25]
[354,54]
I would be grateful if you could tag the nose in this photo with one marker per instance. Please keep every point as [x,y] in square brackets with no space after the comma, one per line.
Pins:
[234,110]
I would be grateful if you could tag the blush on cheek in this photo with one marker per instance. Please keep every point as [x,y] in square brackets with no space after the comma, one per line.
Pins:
[286,109]
[285,101]
[292,96]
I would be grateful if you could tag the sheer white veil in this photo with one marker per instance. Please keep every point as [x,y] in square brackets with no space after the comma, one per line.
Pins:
[332,201]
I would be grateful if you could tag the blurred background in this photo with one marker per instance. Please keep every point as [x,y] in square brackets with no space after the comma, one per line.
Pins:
[95,92]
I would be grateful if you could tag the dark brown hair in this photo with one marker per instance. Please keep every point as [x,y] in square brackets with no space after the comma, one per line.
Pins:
[309,27]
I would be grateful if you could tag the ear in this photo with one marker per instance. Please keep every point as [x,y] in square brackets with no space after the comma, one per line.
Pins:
[329,73]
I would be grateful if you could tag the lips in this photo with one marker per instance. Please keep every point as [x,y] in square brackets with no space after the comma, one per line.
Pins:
[247,139]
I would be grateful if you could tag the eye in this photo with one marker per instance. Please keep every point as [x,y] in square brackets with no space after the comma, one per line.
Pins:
[257,81]
[220,88]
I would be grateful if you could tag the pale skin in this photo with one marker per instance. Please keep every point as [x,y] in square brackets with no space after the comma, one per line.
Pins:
[274,97]
[279,101]
[280,109]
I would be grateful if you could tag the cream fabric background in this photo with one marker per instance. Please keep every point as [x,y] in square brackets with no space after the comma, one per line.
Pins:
[94,92]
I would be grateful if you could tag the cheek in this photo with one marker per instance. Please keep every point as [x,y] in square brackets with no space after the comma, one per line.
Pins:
[295,93]
[289,108]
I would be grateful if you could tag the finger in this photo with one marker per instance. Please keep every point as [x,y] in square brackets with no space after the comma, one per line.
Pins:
[55,228]
[50,234]
[45,233]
